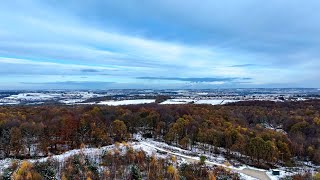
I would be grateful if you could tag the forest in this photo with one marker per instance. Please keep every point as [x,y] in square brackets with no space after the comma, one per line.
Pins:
[117,163]
[263,133]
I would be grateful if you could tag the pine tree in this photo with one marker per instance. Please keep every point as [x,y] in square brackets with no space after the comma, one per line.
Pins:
[135,173]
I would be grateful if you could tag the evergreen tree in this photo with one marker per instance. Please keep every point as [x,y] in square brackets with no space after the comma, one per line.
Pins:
[135,173]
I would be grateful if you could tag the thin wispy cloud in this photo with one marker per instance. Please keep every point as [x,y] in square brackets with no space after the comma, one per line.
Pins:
[244,65]
[70,85]
[204,79]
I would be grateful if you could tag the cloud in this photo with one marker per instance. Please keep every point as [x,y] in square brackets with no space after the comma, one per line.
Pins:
[89,70]
[267,27]
[152,39]
[206,79]
[243,65]
[69,82]
[69,85]
[24,67]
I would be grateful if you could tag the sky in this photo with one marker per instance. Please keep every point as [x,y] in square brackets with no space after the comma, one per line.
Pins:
[159,44]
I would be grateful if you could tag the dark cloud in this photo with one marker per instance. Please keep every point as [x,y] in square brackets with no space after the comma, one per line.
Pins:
[89,70]
[204,79]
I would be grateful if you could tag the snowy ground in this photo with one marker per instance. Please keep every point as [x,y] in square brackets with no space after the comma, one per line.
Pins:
[184,97]
[162,149]
[193,157]
[33,96]
[247,172]
[177,101]
[127,102]
[149,146]
[198,101]
[41,97]
[5,163]
[209,101]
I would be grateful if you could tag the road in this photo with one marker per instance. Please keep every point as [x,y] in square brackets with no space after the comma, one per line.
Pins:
[247,171]
[255,173]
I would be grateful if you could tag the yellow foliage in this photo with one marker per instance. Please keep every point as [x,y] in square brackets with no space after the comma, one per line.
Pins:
[174,159]
[316,120]
[244,129]
[316,176]
[117,144]
[26,172]
[124,143]
[227,163]
[25,165]
[171,169]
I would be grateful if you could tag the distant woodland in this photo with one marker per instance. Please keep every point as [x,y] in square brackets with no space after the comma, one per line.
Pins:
[262,133]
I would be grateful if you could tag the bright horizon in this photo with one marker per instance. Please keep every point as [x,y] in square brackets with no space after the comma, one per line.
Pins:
[159,45]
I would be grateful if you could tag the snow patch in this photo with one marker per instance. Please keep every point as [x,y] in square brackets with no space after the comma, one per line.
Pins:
[127,102]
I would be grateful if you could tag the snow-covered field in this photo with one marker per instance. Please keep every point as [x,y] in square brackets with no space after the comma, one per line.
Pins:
[169,101]
[33,96]
[177,101]
[127,102]
[129,97]
[198,101]
[41,97]
[209,101]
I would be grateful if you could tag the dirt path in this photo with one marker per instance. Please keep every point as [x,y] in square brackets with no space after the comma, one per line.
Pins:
[255,173]
[247,171]
[250,172]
